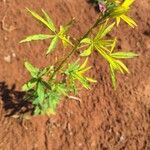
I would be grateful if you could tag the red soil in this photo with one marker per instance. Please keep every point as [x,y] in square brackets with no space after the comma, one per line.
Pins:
[104,119]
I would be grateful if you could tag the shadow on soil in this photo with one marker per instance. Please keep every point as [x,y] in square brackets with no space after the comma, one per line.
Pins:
[13,101]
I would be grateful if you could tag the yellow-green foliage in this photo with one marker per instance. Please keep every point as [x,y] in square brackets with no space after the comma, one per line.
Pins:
[48,84]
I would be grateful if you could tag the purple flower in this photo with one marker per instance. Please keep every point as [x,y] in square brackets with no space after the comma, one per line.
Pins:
[102,7]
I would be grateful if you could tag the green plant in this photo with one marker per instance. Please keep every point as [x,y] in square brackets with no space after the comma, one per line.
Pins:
[49,84]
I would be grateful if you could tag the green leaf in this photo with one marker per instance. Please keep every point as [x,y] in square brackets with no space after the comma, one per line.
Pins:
[50,111]
[43,71]
[117,12]
[87,52]
[33,70]
[72,86]
[116,64]
[35,101]
[86,40]
[53,44]
[66,41]
[40,92]
[106,43]
[29,85]
[118,21]
[39,18]
[123,55]
[46,84]
[37,110]
[36,37]
[82,80]
[61,89]
[84,64]
[82,71]
[104,29]
[103,53]
[113,77]
[113,45]
[101,30]
[65,28]
[53,100]
[72,67]
[91,80]
[107,30]
[50,22]
[127,3]
[123,66]
[128,20]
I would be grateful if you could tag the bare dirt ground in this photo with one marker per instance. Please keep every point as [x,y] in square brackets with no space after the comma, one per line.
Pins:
[104,119]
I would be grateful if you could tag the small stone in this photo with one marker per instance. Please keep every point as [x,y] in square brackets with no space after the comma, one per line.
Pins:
[6,38]
[70,133]
[80,144]
[122,138]
[7,58]
[13,55]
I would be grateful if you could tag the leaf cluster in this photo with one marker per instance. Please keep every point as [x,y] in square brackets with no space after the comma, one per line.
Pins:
[44,95]
[105,47]
[49,84]
[54,37]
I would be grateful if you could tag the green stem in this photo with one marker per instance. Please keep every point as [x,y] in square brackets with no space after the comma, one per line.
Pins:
[98,21]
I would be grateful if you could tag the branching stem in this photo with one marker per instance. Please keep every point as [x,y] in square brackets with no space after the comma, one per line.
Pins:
[98,21]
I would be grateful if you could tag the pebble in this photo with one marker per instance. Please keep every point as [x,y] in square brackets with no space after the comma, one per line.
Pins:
[7,58]
[13,54]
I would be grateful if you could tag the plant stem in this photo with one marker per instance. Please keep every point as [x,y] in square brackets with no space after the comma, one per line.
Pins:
[98,21]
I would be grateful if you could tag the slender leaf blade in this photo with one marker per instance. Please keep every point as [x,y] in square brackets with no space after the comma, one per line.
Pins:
[87,52]
[53,44]
[123,55]
[127,3]
[107,30]
[50,22]
[36,37]
[33,70]
[86,40]
[29,85]
[113,76]
[122,65]
[40,92]
[129,21]
[39,18]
